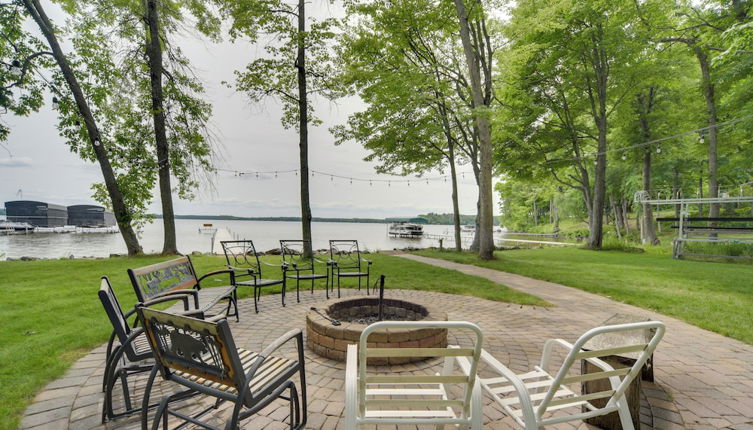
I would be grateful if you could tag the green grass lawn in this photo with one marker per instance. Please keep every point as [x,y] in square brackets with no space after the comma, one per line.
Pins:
[50,314]
[714,296]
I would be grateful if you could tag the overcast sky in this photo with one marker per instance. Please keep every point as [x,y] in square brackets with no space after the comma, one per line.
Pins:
[249,138]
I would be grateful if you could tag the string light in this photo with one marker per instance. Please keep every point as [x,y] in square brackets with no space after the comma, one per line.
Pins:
[624,156]
[658,149]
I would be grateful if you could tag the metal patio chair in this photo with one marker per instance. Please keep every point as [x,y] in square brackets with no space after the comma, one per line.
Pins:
[133,350]
[346,261]
[394,399]
[243,260]
[296,266]
[530,398]
[201,356]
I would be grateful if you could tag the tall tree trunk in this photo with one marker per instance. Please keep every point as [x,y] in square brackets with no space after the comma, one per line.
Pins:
[154,54]
[708,94]
[535,213]
[617,217]
[676,188]
[121,212]
[626,214]
[700,190]
[648,234]
[455,204]
[645,106]
[600,185]
[599,111]
[556,216]
[486,234]
[303,133]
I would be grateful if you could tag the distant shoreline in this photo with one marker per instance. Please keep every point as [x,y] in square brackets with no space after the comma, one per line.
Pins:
[293,219]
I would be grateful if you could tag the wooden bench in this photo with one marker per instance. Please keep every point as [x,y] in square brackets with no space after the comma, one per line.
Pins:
[618,361]
[177,278]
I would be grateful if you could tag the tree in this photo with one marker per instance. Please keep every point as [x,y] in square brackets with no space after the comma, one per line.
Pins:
[398,59]
[21,56]
[589,54]
[286,71]
[91,131]
[478,57]
[117,43]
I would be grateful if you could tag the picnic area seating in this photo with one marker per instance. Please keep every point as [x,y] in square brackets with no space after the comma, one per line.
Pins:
[295,265]
[133,349]
[346,261]
[202,357]
[531,397]
[244,261]
[177,279]
[395,399]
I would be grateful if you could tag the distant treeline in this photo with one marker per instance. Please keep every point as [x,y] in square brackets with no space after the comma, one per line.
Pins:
[430,218]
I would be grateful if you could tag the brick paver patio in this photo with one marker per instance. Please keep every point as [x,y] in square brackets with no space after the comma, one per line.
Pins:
[703,380]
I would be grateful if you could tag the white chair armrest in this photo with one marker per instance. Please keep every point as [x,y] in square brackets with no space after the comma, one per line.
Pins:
[546,355]
[525,399]
[351,387]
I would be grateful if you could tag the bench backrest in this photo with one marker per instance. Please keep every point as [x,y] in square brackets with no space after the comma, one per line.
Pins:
[292,254]
[410,405]
[638,346]
[161,278]
[345,253]
[200,348]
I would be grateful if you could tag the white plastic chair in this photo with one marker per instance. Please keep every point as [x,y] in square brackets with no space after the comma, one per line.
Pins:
[530,398]
[413,399]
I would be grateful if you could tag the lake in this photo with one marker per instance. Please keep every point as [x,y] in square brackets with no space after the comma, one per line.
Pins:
[265,234]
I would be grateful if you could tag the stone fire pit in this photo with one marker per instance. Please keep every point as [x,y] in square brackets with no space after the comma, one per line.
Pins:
[355,314]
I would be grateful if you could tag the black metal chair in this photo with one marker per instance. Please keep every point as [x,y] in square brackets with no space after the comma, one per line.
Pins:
[133,346]
[346,262]
[243,260]
[299,267]
[201,355]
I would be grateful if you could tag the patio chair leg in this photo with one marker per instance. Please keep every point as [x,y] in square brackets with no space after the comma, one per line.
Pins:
[338,286]
[297,290]
[284,289]
[625,418]
[312,285]
[256,300]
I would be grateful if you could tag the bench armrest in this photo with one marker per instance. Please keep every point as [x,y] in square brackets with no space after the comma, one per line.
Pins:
[267,264]
[367,261]
[174,295]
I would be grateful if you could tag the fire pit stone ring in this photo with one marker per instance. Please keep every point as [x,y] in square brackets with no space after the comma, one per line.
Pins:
[355,314]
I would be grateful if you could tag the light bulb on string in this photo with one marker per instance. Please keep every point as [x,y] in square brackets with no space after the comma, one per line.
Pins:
[370,184]
[701,140]
[658,149]
[388,184]
[409,183]
[624,156]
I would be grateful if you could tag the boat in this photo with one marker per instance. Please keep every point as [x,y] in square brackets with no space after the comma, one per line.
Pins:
[406,230]
[468,228]
[9,227]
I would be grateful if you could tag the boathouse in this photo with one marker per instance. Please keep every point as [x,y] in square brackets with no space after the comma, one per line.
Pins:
[38,214]
[90,216]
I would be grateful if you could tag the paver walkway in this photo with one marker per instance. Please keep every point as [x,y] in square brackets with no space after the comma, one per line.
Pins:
[704,380]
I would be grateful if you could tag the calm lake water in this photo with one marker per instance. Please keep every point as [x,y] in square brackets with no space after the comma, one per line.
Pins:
[265,234]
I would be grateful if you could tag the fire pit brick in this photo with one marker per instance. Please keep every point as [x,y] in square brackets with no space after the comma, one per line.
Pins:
[331,341]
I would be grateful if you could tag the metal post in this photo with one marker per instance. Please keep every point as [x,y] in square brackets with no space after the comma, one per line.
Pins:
[381,297]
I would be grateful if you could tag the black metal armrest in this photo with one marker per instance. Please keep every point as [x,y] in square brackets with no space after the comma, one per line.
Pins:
[230,272]
[266,264]
[247,270]
[272,347]
[368,261]
[319,261]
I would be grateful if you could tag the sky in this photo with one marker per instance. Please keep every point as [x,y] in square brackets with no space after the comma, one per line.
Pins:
[249,137]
